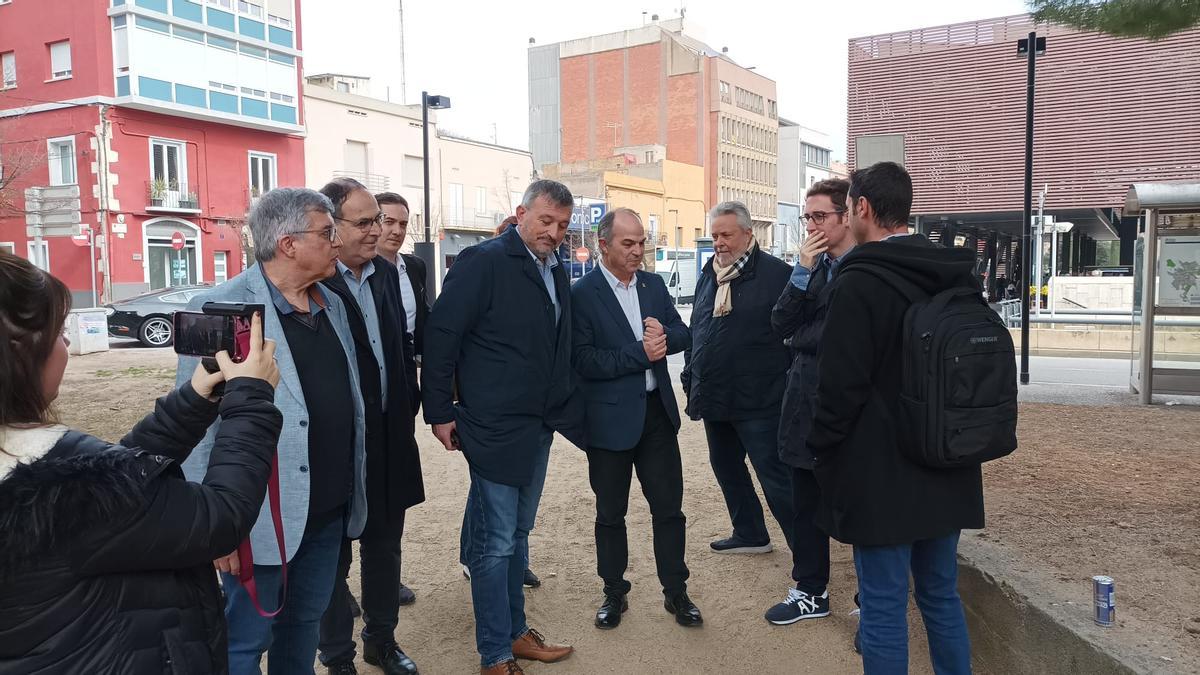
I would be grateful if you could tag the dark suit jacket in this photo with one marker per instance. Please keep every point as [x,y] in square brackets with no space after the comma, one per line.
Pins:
[492,331]
[416,275]
[393,462]
[611,361]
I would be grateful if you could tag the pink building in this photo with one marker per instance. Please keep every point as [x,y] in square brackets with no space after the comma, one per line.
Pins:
[164,119]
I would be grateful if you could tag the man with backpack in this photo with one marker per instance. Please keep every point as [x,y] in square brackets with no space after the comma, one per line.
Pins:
[897,443]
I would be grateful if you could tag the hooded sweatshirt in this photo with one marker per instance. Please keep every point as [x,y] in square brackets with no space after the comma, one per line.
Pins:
[872,494]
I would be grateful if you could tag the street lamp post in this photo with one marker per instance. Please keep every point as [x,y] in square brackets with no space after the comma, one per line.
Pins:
[425,249]
[1029,48]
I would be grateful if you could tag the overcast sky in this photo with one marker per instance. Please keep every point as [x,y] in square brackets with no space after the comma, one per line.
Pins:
[474,51]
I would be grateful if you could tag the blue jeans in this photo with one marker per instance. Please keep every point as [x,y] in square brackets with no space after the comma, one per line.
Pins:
[498,520]
[729,443]
[883,591]
[290,639]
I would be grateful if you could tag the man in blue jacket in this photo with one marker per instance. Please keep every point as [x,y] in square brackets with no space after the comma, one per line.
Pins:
[501,332]
[625,325]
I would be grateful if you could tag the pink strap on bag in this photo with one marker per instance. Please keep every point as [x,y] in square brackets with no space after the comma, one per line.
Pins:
[246,553]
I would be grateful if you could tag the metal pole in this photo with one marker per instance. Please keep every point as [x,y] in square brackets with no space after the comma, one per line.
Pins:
[425,249]
[1149,291]
[1026,256]
[1041,220]
[92,261]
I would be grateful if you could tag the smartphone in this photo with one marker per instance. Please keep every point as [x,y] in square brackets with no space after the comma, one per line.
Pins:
[219,326]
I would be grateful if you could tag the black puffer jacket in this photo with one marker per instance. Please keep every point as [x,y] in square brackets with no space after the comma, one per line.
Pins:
[106,551]
[801,314]
[737,365]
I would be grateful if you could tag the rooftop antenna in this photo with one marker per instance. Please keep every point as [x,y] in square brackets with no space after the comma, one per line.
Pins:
[643,18]
[403,78]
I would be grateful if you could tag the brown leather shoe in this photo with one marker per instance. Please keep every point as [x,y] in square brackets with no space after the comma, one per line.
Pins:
[507,668]
[533,646]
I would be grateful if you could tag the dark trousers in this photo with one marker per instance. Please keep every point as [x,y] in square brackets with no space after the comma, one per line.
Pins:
[660,472]
[379,563]
[810,552]
[729,443]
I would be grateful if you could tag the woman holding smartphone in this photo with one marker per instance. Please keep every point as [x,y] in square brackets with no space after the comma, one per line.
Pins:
[105,549]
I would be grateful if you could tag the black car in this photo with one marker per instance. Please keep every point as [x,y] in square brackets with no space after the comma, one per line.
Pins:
[147,317]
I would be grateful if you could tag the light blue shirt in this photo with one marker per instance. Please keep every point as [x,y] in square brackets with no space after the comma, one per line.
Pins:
[546,269]
[801,275]
[631,305]
[366,303]
[407,296]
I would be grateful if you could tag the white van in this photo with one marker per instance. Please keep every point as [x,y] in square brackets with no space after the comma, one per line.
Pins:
[678,270]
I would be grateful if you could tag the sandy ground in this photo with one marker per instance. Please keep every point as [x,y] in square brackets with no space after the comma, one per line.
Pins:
[1091,491]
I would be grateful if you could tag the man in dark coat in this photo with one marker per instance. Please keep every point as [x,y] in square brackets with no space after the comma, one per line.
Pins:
[501,332]
[900,516]
[800,313]
[625,325]
[413,298]
[368,286]
[734,377]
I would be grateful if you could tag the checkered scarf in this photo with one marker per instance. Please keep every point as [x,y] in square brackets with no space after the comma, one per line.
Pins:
[723,303]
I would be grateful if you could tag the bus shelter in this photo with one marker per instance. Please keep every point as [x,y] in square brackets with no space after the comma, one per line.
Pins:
[1166,283]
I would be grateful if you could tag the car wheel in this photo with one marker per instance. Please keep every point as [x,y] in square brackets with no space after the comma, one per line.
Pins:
[156,332]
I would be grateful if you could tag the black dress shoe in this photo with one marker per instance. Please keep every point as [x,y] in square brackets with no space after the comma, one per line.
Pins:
[530,579]
[609,614]
[685,611]
[407,597]
[346,668]
[390,658]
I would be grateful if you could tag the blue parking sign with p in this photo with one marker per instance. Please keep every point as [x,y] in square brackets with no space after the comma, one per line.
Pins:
[588,215]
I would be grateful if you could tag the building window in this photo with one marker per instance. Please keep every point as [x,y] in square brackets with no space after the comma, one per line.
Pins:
[168,171]
[413,172]
[8,69]
[8,246]
[39,254]
[262,173]
[343,87]
[480,201]
[250,9]
[60,153]
[220,267]
[60,60]
[279,21]
[456,203]
[725,92]
[224,4]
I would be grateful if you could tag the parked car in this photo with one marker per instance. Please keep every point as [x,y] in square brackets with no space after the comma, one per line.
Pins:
[147,317]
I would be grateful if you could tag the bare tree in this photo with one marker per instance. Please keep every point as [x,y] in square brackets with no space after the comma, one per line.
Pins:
[18,159]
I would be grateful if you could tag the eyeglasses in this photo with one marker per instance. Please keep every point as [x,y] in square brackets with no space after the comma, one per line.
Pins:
[329,233]
[819,217]
[366,223]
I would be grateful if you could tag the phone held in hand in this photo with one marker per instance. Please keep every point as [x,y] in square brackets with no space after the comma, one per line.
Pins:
[218,326]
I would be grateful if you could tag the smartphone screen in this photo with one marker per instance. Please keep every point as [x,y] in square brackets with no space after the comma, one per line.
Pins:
[198,334]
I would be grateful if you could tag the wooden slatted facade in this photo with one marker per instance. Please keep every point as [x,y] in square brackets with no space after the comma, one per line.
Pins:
[1109,111]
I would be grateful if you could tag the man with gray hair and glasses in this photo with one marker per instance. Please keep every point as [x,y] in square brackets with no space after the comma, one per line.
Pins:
[501,332]
[734,377]
[274,603]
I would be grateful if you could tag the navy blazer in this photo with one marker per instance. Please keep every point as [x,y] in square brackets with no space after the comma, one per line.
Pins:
[612,363]
[394,480]
[492,332]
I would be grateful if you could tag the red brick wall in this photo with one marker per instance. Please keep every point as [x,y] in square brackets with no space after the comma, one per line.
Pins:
[645,76]
[573,90]
[607,96]
[683,93]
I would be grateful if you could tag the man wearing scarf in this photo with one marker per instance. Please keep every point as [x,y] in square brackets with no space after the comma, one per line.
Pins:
[734,377]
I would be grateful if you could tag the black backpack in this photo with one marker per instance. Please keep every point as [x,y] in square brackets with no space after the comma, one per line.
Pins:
[958,391]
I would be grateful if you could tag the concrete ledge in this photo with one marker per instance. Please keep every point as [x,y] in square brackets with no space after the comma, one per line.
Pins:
[1017,630]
